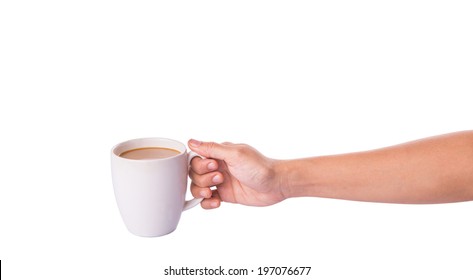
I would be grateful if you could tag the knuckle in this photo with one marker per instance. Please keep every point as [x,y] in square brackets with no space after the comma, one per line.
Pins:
[240,150]
[194,190]
[195,162]
[198,166]
[192,174]
[197,180]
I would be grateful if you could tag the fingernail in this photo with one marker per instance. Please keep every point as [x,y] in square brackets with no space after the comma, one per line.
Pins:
[195,143]
[217,179]
[203,194]
[214,204]
[212,166]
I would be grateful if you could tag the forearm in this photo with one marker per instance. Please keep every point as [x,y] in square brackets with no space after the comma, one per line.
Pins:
[432,170]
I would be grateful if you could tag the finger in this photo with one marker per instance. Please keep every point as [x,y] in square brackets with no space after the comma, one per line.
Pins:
[210,203]
[213,202]
[207,179]
[203,165]
[210,149]
[200,192]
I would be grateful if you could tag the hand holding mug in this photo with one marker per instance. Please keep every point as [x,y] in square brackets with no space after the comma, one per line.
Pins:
[240,173]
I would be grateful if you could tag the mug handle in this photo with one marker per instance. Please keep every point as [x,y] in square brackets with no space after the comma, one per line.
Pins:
[193,202]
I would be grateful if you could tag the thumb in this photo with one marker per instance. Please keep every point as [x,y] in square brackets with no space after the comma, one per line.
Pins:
[209,149]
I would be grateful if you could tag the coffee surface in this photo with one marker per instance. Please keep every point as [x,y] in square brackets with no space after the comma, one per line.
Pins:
[149,153]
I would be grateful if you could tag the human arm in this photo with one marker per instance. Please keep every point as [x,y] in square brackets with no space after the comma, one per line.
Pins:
[432,170]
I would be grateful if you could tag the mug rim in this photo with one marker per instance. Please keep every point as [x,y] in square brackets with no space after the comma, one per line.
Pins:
[141,143]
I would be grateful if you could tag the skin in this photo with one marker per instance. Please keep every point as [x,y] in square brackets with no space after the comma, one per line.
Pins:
[437,169]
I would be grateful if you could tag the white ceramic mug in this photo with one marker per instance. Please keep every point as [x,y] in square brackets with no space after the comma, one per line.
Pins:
[150,193]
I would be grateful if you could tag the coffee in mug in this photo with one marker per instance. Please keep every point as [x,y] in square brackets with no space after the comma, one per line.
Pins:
[149,153]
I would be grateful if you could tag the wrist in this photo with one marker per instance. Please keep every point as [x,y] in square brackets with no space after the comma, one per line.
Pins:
[282,170]
[297,178]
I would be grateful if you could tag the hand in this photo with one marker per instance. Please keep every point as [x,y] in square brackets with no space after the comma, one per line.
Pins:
[240,173]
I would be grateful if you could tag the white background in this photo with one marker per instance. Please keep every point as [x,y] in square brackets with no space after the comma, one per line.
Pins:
[291,78]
